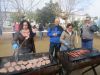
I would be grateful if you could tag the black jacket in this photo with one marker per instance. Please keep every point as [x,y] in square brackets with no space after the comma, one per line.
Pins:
[26,45]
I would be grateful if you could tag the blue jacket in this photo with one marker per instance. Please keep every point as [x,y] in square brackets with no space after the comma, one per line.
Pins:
[55,29]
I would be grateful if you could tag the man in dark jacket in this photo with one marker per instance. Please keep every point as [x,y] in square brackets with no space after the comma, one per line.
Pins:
[41,29]
[54,32]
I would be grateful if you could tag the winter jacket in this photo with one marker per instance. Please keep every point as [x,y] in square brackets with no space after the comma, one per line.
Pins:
[67,40]
[26,45]
[86,33]
[55,29]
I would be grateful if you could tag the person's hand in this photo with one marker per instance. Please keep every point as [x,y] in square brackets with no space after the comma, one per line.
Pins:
[54,34]
[15,46]
[26,37]
[66,44]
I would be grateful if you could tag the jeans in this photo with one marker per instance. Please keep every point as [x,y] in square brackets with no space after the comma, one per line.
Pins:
[0,32]
[54,48]
[88,44]
[40,34]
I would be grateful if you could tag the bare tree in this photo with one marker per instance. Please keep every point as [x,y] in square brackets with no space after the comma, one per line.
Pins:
[3,12]
[72,6]
[23,6]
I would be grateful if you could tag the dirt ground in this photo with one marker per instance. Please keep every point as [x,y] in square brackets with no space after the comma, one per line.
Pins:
[6,44]
[41,45]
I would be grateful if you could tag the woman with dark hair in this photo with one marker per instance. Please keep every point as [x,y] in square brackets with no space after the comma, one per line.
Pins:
[23,40]
[67,38]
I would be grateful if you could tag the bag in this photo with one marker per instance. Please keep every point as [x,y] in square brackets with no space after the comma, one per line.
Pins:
[94,28]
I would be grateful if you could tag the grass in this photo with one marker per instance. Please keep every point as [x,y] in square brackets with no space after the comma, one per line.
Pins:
[41,45]
[6,45]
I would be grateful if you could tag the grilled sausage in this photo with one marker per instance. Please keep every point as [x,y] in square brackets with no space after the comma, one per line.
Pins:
[73,54]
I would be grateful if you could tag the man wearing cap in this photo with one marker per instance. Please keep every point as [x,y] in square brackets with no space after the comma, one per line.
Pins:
[86,34]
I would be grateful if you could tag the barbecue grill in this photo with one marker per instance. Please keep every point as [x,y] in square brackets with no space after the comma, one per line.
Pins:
[79,58]
[47,69]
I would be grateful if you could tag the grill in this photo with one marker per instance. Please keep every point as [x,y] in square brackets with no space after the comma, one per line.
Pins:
[42,70]
[79,58]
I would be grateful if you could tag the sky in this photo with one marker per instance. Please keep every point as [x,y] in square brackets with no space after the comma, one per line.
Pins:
[41,4]
[27,4]
[94,9]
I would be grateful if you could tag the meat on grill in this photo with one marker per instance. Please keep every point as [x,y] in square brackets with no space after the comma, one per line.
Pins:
[29,66]
[23,67]
[3,70]
[25,62]
[45,58]
[13,64]
[78,53]
[43,63]
[34,65]
[30,61]
[11,69]
[47,61]
[38,64]
[17,68]
[20,62]
[7,64]
[40,59]
[35,60]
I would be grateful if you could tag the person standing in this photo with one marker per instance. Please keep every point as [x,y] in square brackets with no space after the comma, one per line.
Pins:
[87,34]
[67,38]
[54,32]
[15,28]
[34,28]
[41,29]
[0,34]
[23,40]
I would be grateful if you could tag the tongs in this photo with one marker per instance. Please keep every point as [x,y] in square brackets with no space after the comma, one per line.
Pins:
[16,52]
